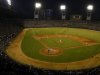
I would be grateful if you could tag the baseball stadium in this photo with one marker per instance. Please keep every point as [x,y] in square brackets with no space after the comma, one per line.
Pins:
[47,46]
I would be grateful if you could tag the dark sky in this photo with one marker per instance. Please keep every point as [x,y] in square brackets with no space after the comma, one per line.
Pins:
[26,7]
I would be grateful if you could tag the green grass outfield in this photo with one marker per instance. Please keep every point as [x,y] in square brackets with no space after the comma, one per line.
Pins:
[31,46]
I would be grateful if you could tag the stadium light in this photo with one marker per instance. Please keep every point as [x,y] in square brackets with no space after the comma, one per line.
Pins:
[38,5]
[9,2]
[62,7]
[90,7]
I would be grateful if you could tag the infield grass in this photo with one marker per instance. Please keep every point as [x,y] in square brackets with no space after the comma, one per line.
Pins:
[66,43]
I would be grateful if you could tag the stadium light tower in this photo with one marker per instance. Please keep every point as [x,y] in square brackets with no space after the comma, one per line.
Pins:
[89,11]
[9,2]
[63,9]
[38,5]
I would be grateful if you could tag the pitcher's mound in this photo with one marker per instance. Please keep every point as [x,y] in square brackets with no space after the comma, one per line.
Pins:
[51,52]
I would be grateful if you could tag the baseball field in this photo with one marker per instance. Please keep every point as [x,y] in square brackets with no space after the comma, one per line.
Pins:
[57,48]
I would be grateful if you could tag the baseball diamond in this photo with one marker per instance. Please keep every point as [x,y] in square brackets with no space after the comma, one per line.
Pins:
[57,48]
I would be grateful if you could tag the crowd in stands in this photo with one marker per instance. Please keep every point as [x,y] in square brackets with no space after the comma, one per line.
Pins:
[8,32]
[59,23]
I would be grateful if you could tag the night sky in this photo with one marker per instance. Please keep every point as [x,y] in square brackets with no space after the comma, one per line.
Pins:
[26,7]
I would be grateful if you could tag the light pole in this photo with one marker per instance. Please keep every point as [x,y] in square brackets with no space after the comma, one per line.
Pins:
[89,12]
[63,9]
[9,3]
[38,5]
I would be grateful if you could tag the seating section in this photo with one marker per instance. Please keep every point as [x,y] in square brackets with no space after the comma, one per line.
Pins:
[8,31]
[95,25]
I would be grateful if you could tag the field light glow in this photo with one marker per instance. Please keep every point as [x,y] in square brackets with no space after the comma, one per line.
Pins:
[38,5]
[9,2]
[90,7]
[62,7]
